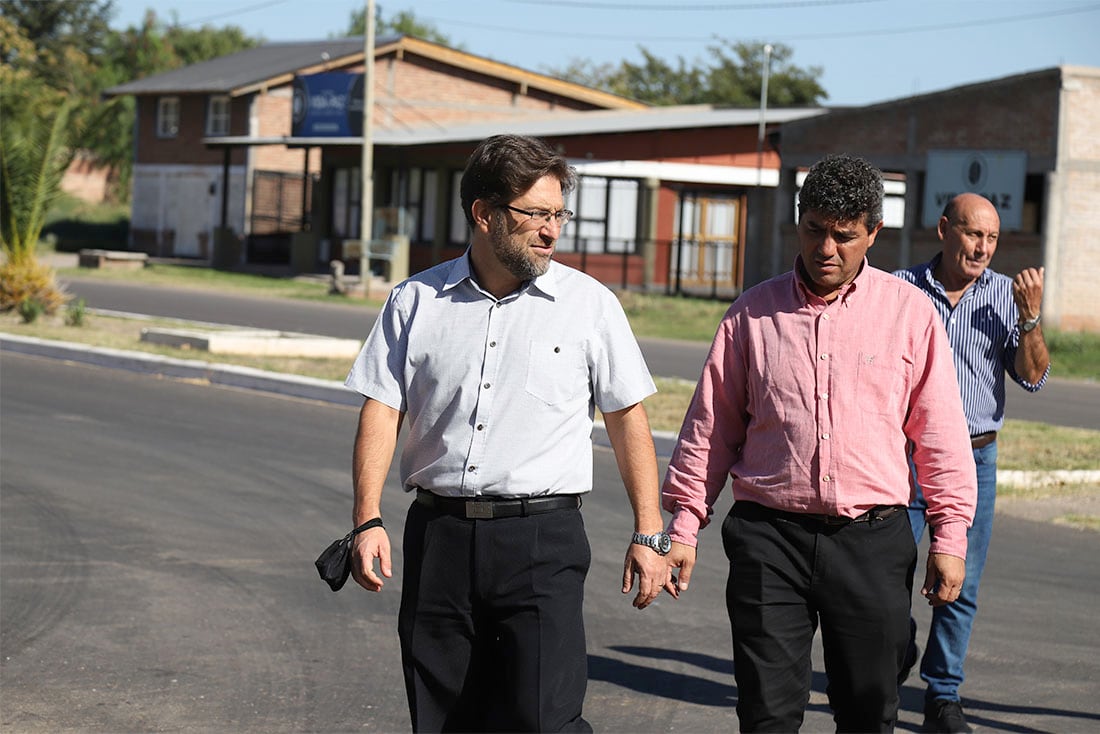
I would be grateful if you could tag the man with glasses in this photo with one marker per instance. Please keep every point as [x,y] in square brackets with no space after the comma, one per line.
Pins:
[495,362]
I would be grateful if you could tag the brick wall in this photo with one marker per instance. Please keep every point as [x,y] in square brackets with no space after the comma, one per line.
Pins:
[414,91]
[1077,252]
[1018,113]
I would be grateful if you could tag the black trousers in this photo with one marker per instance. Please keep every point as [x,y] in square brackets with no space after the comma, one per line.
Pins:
[491,627]
[788,575]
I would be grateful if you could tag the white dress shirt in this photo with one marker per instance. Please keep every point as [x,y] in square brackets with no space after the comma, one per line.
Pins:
[499,394]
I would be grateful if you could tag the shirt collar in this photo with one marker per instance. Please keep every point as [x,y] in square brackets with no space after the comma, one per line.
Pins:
[845,291]
[461,270]
[930,274]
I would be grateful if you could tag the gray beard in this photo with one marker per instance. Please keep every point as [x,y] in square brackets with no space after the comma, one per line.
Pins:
[514,256]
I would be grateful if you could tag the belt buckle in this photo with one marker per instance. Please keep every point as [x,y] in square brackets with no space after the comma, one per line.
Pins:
[479,510]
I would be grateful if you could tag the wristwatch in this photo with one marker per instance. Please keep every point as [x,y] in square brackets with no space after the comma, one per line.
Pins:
[659,542]
[1026,326]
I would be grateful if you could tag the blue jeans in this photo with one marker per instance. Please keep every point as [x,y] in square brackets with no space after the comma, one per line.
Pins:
[942,664]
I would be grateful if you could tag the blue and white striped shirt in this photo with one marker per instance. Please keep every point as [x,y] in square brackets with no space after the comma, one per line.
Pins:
[984,337]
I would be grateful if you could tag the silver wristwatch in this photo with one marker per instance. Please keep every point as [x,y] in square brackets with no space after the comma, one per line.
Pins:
[1026,326]
[659,542]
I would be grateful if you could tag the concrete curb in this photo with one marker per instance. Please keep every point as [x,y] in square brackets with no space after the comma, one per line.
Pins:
[329,391]
[309,388]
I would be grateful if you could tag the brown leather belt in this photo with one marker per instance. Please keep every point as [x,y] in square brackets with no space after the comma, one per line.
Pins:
[489,508]
[983,439]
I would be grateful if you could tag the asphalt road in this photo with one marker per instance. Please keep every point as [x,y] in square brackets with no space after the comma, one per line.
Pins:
[157,539]
[1061,402]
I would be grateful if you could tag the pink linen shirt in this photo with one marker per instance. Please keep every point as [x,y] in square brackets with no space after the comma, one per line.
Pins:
[809,407]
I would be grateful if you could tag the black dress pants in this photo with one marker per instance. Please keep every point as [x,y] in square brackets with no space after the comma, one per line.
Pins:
[788,575]
[491,627]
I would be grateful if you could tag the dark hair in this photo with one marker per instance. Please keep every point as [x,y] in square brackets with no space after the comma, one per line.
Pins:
[843,188]
[505,166]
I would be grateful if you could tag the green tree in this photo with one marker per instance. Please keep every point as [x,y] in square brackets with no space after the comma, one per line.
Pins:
[733,75]
[34,153]
[64,33]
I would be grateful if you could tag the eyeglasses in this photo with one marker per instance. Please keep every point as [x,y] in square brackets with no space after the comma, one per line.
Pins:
[544,217]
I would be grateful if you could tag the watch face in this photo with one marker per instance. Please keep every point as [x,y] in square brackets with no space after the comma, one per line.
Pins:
[664,543]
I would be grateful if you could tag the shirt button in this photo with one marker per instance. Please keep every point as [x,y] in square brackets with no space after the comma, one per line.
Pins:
[824,396]
[826,317]
[824,356]
[825,478]
[472,468]
[486,385]
[825,436]
[492,344]
[481,426]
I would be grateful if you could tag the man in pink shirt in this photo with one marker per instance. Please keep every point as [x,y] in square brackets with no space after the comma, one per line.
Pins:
[815,385]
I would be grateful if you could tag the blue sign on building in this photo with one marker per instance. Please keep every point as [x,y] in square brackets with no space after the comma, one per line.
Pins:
[329,104]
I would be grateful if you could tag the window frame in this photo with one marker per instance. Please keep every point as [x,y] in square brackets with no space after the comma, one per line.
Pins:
[168,111]
[218,116]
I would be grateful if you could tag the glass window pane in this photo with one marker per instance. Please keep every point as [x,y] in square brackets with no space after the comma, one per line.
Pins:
[458,229]
[431,186]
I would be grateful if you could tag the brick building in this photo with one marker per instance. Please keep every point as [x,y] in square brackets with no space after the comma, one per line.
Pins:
[667,197]
[1031,142]
[178,196]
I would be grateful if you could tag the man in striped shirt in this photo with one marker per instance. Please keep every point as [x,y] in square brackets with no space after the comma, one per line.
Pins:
[993,325]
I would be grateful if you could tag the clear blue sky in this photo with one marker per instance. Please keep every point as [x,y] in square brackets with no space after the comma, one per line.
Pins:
[870,50]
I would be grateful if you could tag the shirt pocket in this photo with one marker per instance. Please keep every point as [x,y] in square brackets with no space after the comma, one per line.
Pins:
[881,381]
[556,371]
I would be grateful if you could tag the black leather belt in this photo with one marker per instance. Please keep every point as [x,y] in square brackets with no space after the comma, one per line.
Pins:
[489,508]
[983,439]
[881,512]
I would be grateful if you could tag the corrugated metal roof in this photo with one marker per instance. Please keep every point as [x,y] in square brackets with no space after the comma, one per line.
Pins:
[598,122]
[245,69]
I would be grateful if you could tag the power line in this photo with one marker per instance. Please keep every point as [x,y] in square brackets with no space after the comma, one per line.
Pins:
[231,13]
[641,40]
[945,26]
[704,7]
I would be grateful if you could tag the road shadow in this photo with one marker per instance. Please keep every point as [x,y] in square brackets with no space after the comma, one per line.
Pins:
[714,687]
[643,677]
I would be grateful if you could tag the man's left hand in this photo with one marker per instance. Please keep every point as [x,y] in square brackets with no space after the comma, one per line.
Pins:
[1027,291]
[943,579]
[652,570]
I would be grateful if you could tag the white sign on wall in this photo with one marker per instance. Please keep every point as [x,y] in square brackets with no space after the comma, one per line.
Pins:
[998,175]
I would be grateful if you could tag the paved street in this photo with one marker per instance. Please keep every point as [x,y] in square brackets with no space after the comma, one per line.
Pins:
[157,539]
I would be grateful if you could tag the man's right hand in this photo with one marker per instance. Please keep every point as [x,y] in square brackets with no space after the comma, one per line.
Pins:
[682,557]
[368,545]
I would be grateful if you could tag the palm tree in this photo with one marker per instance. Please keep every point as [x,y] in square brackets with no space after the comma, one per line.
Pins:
[34,154]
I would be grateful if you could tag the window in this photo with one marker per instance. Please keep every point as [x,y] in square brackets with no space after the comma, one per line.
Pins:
[606,220]
[217,115]
[412,201]
[345,203]
[168,117]
[459,230]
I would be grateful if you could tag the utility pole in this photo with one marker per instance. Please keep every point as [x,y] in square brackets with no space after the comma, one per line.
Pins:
[366,188]
[763,113]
